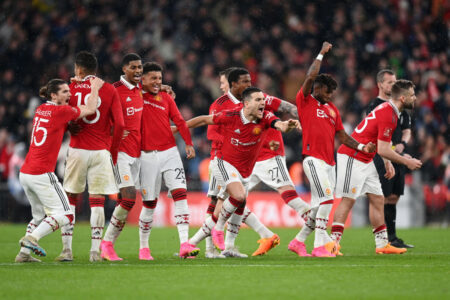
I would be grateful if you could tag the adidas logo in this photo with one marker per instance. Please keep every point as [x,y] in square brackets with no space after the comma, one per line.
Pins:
[237,131]
[128,99]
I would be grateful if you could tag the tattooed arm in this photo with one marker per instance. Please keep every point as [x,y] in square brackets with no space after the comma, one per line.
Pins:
[286,107]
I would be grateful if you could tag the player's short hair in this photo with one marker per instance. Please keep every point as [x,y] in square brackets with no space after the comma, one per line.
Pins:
[130,57]
[380,74]
[235,73]
[326,80]
[226,72]
[52,86]
[152,66]
[247,93]
[87,61]
[400,87]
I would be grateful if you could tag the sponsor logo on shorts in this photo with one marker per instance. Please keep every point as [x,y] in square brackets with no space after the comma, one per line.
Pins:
[234,175]
[126,177]
[144,191]
[353,190]
[328,191]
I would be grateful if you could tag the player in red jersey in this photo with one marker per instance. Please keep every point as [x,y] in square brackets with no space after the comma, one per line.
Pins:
[92,153]
[356,171]
[321,122]
[49,204]
[244,130]
[160,159]
[128,165]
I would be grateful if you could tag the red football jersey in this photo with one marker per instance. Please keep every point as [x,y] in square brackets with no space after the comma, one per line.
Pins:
[320,122]
[214,132]
[242,139]
[132,106]
[272,105]
[49,125]
[378,125]
[158,111]
[96,128]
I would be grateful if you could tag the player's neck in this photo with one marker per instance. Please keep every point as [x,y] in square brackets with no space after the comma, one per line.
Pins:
[249,116]
[384,97]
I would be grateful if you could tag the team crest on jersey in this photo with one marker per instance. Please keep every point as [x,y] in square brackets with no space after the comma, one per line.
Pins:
[332,112]
[257,130]
[126,177]
[157,98]
[387,132]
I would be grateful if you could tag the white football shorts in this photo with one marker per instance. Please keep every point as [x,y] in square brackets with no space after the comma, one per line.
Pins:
[273,172]
[322,179]
[355,178]
[156,165]
[93,166]
[225,173]
[127,170]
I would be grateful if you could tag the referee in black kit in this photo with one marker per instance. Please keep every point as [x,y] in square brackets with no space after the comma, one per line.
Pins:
[393,188]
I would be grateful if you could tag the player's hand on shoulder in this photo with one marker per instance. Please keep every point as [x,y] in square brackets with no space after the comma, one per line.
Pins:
[96,83]
[125,134]
[190,152]
[168,89]
[174,129]
[74,128]
[369,147]
[326,47]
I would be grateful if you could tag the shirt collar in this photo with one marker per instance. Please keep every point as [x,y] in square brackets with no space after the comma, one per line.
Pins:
[87,77]
[318,100]
[244,119]
[233,98]
[129,85]
[50,103]
[395,108]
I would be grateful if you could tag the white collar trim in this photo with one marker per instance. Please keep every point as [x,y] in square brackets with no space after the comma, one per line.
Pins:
[395,108]
[129,85]
[244,119]
[233,98]
[50,102]
[87,77]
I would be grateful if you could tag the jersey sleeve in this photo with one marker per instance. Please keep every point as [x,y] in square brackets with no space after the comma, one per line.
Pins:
[118,123]
[386,127]
[220,118]
[272,103]
[69,113]
[300,98]
[176,117]
[212,132]
[269,119]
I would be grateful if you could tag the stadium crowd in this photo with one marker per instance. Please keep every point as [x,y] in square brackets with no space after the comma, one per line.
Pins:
[274,40]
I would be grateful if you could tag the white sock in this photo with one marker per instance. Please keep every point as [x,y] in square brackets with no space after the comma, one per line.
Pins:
[97,225]
[203,232]
[208,240]
[322,236]
[337,229]
[234,224]
[30,228]
[229,206]
[67,231]
[181,214]
[254,223]
[309,226]
[48,225]
[300,206]
[116,224]
[145,226]
[381,236]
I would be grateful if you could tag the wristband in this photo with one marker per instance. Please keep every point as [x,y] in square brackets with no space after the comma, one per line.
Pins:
[404,143]
[319,57]
[360,147]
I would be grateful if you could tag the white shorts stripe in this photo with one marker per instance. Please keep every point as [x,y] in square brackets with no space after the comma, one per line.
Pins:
[53,181]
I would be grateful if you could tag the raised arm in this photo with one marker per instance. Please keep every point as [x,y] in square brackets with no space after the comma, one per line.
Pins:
[286,126]
[314,69]
[286,107]
[347,140]
[200,121]
[91,103]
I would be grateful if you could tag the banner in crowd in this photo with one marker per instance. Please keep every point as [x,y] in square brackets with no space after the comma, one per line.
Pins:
[268,206]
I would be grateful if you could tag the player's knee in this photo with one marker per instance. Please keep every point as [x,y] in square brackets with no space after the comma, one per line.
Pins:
[392,199]
[151,204]
[71,218]
[213,200]
[128,192]
[127,204]
[240,197]
[179,194]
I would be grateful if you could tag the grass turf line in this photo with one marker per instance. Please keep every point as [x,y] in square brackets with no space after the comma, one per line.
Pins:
[359,274]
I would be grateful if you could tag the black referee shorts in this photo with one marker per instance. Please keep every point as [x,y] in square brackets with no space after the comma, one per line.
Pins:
[394,186]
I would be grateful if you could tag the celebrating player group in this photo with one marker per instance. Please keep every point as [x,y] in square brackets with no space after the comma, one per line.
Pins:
[122,142]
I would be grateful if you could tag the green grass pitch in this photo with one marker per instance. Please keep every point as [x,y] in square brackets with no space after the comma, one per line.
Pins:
[421,273]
